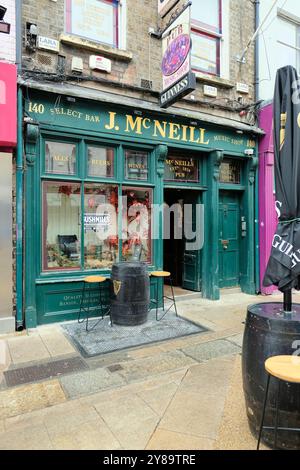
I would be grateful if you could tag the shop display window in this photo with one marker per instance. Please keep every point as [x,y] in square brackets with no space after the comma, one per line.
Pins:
[136,224]
[100,226]
[61,225]
[184,169]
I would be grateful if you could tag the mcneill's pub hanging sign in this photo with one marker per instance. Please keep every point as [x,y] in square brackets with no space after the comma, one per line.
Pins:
[178,80]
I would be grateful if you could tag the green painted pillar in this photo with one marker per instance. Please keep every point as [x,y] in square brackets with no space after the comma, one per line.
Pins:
[31,227]
[161,153]
[210,271]
[248,243]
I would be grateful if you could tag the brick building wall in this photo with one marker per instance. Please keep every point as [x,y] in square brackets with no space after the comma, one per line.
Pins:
[142,58]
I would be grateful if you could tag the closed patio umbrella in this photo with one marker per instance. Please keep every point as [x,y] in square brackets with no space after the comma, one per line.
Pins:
[283,268]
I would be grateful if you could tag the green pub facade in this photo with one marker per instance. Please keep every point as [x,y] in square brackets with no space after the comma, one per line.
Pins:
[91,164]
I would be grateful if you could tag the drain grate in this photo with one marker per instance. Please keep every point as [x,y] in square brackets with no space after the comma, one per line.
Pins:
[43,371]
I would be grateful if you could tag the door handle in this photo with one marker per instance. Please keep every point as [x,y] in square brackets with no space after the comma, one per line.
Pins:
[225,244]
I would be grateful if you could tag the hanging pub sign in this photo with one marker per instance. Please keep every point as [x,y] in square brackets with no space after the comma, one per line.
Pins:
[164,6]
[178,80]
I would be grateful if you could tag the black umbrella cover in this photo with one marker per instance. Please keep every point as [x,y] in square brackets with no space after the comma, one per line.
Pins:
[283,268]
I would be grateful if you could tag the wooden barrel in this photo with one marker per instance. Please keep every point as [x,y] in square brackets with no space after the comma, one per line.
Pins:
[269,333]
[130,293]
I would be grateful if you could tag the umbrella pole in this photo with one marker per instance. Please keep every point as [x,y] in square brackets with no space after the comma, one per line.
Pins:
[287,301]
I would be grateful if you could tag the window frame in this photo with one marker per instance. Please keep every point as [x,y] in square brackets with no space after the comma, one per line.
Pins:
[281,16]
[205,30]
[127,187]
[44,210]
[82,179]
[118,23]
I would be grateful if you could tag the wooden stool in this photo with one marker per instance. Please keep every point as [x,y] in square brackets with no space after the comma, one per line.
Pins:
[161,275]
[284,369]
[88,284]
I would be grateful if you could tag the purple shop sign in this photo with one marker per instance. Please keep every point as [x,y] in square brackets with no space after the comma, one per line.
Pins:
[176,54]
[176,49]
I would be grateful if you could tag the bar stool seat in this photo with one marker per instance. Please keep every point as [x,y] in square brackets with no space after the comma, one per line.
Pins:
[90,281]
[284,369]
[94,279]
[161,275]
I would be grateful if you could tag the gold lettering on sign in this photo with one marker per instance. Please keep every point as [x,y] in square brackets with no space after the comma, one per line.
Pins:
[202,137]
[161,127]
[173,133]
[112,121]
[134,125]
[100,162]
[62,158]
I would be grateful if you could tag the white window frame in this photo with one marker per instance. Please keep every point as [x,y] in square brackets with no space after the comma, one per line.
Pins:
[122,27]
[224,66]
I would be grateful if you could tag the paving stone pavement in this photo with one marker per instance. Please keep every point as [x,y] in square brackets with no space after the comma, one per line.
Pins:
[172,395]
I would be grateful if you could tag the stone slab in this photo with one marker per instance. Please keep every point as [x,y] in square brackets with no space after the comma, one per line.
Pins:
[211,349]
[91,381]
[159,398]
[30,397]
[130,419]
[56,342]
[158,364]
[33,438]
[169,440]
[27,349]
[91,435]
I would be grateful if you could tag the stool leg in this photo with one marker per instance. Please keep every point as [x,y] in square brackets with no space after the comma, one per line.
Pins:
[172,290]
[157,279]
[88,311]
[277,413]
[263,412]
[81,304]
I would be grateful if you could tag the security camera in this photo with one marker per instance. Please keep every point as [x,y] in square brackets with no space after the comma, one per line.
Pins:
[249,152]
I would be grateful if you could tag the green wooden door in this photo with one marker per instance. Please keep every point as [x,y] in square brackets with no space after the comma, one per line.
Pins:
[229,239]
[191,277]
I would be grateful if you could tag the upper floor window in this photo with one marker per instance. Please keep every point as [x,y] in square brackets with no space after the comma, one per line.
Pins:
[97,20]
[206,35]
[288,38]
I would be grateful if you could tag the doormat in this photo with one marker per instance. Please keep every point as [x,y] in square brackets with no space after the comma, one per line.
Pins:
[105,339]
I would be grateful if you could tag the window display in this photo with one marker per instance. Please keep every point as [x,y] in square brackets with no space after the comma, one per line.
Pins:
[61,225]
[100,226]
[136,228]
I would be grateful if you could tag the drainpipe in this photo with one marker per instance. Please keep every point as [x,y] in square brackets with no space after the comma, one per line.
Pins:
[19,34]
[19,178]
[257,251]
[19,218]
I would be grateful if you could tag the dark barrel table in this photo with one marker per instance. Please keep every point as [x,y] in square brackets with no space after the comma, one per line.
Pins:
[130,293]
[268,332]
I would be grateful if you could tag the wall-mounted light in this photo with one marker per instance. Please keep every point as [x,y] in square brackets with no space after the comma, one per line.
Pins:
[31,36]
[4,27]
